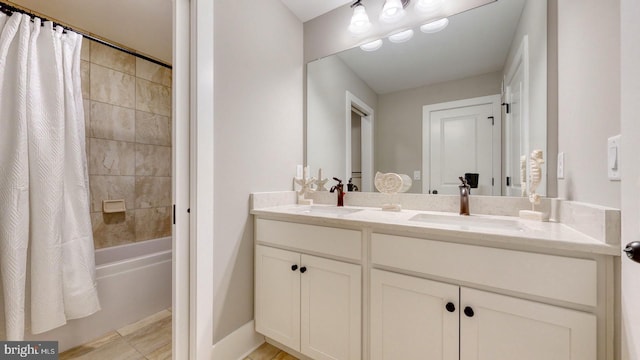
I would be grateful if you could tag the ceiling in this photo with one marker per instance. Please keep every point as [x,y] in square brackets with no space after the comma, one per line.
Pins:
[475,42]
[116,20]
[306,10]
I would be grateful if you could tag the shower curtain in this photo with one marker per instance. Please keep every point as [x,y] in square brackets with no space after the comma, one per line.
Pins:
[43,178]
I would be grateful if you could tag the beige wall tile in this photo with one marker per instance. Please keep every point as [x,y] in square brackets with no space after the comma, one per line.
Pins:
[112,87]
[153,223]
[153,98]
[86,107]
[112,58]
[108,157]
[85,79]
[153,160]
[85,51]
[152,191]
[113,229]
[153,129]
[153,72]
[112,122]
[112,188]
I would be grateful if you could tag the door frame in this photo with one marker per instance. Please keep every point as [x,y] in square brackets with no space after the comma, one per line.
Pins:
[366,143]
[494,100]
[193,153]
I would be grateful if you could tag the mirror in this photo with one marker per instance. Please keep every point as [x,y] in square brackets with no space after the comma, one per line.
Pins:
[432,107]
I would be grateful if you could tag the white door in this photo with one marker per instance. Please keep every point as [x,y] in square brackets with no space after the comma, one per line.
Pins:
[499,327]
[515,129]
[464,137]
[330,309]
[277,297]
[410,319]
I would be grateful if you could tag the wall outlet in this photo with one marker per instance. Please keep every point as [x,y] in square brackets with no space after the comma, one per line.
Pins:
[416,175]
[561,165]
[613,158]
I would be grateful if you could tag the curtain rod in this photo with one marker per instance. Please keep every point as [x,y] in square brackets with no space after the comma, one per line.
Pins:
[9,10]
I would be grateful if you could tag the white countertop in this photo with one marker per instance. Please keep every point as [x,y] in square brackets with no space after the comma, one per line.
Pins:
[483,230]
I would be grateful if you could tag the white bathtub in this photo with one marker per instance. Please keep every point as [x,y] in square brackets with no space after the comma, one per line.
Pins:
[134,281]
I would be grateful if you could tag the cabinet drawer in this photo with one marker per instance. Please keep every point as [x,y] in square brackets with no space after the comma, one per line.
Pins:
[317,239]
[556,277]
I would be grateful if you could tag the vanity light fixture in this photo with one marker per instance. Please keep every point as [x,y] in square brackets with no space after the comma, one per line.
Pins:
[429,6]
[434,26]
[372,46]
[401,36]
[360,23]
[393,10]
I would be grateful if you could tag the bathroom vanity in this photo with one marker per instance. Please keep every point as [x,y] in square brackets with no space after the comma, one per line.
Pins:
[360,283]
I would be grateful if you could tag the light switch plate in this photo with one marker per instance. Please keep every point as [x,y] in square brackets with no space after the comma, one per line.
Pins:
[613,158]
[416,175]
[561,165]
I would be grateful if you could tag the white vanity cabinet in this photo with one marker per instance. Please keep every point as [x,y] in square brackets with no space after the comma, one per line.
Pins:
[309,303]
[415,318]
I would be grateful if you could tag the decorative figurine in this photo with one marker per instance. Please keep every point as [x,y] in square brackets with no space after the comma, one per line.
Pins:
[390,183]
[535,178]
[320,182]
[305,184]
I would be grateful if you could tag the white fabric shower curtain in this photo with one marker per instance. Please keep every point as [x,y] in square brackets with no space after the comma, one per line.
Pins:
[44,190]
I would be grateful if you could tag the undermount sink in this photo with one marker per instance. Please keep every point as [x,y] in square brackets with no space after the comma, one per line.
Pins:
[327,210]
[473,221]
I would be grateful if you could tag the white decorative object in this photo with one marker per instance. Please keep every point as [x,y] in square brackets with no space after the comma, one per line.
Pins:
[523,175]
[389,183]
[535,178]
[406,183]
[305,184]
[320,182]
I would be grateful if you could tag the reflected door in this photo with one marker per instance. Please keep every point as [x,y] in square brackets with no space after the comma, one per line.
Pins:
[515,132]
[462,141]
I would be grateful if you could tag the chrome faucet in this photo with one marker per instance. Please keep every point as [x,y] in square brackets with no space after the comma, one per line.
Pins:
[464,196]
[340,188]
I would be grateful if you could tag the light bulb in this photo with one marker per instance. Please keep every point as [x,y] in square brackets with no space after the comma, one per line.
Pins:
[429,6]
[359,21]
[392,11]
[372,46]
[401,37]
[435,26]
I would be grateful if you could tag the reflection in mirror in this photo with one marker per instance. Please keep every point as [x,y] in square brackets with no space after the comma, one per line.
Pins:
[422,107]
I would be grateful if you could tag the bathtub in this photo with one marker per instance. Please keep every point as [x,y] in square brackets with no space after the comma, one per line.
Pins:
[134,281]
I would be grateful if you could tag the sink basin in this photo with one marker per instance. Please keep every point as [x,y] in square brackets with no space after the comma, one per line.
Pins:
[470,222]
[327,210]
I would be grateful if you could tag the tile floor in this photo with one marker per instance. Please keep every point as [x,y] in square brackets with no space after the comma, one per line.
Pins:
[149,339]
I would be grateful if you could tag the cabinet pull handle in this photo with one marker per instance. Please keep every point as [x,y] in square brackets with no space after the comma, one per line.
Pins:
[468,311]
[303,269]
[450,307]
[294,267]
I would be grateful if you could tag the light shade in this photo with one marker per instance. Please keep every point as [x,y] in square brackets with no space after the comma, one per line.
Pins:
[435,26]
[401,36]
[429,6]
[372,46]
[359,21]
[392,11]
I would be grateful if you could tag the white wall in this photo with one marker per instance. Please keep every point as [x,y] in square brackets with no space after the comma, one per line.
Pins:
[533,24]
[258,137]
[588,97]
[631,176]
[328,79]
[398,129]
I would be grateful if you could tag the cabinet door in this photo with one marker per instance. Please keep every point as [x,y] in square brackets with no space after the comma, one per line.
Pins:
[506,328]
[410,320]
[277,298]
[330,309]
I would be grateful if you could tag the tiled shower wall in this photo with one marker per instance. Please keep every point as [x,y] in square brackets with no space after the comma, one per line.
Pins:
[127,105]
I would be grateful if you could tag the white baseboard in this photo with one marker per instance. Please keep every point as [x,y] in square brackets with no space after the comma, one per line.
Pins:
[238,344]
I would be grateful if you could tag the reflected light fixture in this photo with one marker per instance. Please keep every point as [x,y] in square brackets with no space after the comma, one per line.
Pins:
[401,36]
[360,20]
[434,26]
[372,46]
[429,6]
[392,11]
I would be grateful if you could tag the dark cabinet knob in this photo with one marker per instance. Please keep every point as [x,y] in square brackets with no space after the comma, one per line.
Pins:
[303,269]
[450,307]
[468,311]
[294,267]
[633,251]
